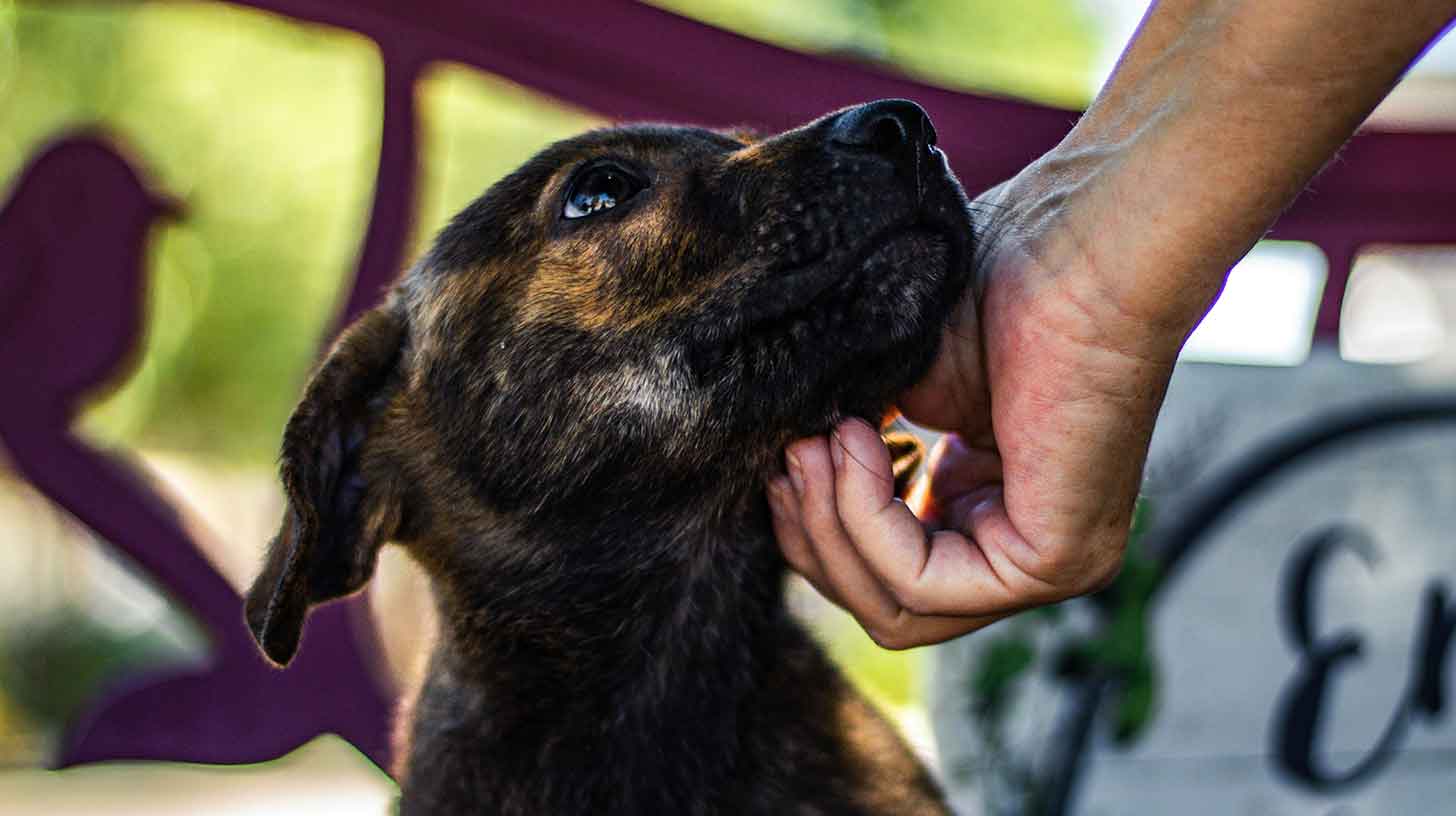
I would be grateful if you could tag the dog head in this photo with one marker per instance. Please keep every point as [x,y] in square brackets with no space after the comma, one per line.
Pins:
[631,325]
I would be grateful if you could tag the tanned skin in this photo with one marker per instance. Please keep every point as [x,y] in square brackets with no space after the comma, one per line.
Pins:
[1098,260]
[566,413]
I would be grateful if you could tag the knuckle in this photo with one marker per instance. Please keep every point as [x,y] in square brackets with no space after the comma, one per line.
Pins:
[797,559]
[911,601]
[792,544]
[895,634]
[1102,575]
[1079,567]
[1055,567]
[889,640]
[820,518]
[903,591]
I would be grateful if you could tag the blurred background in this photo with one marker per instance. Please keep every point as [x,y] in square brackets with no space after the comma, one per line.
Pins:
[268,131]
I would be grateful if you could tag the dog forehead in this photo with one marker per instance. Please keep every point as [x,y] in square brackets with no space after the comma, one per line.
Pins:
[510,214]
[502,241]
[651,140]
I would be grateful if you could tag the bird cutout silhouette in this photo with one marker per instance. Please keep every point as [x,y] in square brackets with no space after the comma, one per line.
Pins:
[73,240]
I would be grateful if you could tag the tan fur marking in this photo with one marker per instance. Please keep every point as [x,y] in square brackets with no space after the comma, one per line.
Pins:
[446,297]
[761,154]
[569,283]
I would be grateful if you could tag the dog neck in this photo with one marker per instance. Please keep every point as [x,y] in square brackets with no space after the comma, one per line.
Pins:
[625,587]
[652,666]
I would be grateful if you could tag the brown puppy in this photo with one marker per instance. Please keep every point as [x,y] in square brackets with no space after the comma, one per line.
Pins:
[566,412]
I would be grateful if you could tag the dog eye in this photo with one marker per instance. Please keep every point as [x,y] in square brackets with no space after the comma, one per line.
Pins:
[599,188]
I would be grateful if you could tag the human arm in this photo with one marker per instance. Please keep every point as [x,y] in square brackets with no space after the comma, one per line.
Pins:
[1097,261]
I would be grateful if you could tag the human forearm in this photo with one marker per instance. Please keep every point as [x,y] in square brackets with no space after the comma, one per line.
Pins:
[1217,116]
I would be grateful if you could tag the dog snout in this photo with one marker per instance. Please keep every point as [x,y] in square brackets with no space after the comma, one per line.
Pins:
[897,129]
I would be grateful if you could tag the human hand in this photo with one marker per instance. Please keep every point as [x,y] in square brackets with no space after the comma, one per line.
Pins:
[1049,389]
[1098,261]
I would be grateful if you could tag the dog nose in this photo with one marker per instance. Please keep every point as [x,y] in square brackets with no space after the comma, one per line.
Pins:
[897,129]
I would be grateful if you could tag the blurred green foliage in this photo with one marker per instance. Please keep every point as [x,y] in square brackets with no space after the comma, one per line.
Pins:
[477,128]
[267,132]
[1120,649]
[1123,650]
[53,666]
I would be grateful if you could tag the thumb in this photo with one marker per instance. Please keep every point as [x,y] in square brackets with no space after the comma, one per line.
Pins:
[953,395]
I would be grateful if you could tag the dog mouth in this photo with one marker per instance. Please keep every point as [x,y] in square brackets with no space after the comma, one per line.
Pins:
[859,304]
[877,271]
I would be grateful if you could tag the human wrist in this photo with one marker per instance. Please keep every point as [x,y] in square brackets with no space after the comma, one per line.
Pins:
[1073,222]
[1217,116]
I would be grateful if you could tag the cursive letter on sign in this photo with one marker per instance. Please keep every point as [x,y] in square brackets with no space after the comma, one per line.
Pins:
[1298,715]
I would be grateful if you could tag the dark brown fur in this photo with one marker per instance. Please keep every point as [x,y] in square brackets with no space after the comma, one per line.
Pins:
[568,423]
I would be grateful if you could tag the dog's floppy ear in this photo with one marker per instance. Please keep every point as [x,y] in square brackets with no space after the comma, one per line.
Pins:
[336,519]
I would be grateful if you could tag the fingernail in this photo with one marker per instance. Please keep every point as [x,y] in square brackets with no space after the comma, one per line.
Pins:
[796,472]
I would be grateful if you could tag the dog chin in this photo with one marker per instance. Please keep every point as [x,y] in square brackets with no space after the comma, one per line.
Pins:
[900,281]
[855,346]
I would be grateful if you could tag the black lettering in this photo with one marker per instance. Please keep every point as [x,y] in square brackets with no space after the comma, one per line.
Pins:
[1298,716]
[1436,634]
